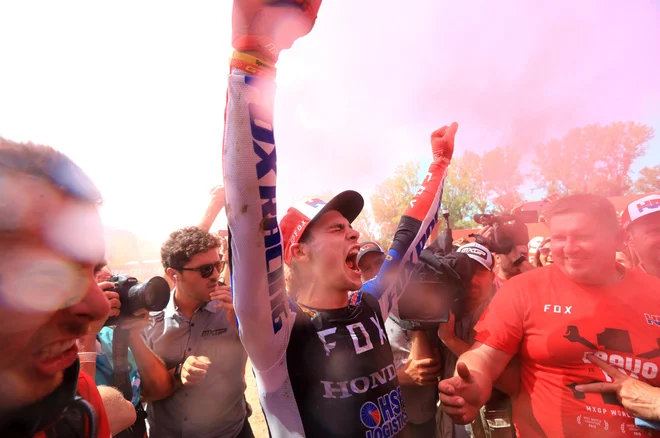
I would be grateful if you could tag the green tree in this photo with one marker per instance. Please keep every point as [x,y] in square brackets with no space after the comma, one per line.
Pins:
[464,194]
[649,180]
[591,159]
[391,198]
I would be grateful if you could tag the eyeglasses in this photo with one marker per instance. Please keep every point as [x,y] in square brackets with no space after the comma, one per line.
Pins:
[544,251]
[206,270]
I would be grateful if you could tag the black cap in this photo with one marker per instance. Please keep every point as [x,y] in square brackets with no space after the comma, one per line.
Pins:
[367,247]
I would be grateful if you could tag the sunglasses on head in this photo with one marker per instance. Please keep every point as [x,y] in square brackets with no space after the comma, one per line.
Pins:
[206,270]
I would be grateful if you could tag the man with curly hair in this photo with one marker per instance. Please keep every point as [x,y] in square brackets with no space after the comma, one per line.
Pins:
[197,338]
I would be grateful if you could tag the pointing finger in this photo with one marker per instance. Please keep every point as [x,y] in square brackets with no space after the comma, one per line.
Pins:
[609,369]
[599,387]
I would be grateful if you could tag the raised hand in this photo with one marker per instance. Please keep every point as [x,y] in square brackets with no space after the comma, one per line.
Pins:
[218,195]
[442,142]
[115,305]
[460,396]
[268,26]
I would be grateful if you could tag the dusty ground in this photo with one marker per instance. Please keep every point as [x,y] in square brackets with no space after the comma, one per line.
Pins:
[257,421]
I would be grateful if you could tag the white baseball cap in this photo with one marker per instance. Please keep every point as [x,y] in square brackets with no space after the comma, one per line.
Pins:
[642,207]
[479,253]
[534,244]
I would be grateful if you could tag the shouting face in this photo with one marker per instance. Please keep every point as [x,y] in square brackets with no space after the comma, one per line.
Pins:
[330,251]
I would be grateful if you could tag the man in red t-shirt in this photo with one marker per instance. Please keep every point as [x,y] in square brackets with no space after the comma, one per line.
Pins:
[642,221]
[554,318]
[52,243]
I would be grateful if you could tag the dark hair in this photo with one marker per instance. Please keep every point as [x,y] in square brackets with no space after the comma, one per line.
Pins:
[537,254]
[52,166]
[596,206]
[184,244]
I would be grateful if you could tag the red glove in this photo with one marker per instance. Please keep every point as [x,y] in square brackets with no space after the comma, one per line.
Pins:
[268,26]
[442,142]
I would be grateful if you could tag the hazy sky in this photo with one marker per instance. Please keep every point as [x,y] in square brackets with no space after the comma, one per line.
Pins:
[134,91]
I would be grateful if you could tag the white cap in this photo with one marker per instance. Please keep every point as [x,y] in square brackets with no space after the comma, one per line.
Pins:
[534,244]
[642,207]
[479,253]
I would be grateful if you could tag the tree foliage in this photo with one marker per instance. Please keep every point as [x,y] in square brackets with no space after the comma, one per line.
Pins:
[391,198]
[591,159]
[476,183]
[463,194]
[649,180]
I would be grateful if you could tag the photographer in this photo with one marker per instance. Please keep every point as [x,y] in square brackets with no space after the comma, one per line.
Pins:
[147,374]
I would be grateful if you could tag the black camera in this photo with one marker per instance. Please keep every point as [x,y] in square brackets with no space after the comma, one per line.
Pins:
[508,231]
[152,295]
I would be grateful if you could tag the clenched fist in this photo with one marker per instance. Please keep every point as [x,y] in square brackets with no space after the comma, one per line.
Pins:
[442,142]
[194,370]
[268,26]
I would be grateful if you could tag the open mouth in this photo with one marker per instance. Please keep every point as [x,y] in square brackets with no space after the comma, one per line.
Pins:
[351,261]
[56,357]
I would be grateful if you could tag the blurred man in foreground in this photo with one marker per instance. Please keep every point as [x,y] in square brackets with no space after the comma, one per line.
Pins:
[52,245]
[554,319]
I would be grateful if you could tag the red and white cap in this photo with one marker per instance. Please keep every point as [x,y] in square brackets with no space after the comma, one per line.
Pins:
[642,207]
[303,214]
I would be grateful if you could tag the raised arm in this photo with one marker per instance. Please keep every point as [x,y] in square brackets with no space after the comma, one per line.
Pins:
[415,226]
[216,204]
[250,172]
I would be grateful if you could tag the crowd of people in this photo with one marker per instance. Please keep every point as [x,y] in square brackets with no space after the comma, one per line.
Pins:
[498,337]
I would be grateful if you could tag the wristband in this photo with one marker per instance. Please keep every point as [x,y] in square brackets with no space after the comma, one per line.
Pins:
[253,60]
[252,65]
[177,372]
[87,357]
